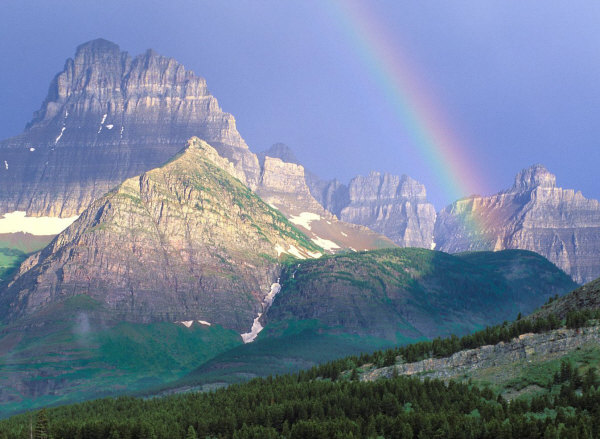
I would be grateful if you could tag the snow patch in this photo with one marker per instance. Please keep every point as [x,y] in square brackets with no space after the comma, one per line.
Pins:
[62,130]
[304,219]
[433,244]
[343,234]
[295,252]
[102,122]
[109,126]
[187,323]
[249,337]
[325,243]
[121,133]
[279,249]
[5,164]
[17,221]
[315,254]
[204,322]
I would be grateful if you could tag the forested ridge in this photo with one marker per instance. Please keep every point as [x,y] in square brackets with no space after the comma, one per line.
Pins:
[329,401]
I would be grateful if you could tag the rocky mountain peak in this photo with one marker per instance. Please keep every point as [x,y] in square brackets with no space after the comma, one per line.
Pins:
[532,177]
[280,151]
[108,117]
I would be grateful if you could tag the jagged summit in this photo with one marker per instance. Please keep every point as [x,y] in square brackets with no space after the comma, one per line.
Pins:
[109,116]
[280,151]
[532,177]
[560,224]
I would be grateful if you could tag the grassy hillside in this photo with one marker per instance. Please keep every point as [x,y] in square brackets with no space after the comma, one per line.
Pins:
[353,303]
[84,354]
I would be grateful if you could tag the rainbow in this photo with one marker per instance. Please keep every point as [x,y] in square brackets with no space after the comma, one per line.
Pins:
[417,109]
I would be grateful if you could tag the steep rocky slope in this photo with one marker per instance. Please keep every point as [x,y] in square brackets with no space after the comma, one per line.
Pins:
[413,293]
[585,297]
[534,214]
[108,117]
[186,241]
[283,186]
[394,206]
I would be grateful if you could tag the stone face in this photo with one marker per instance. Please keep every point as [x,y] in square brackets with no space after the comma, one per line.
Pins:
[394,206]
[560,224]
[187,241]
[108,117]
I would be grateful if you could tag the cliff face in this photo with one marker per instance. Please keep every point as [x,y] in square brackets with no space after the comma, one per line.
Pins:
[394,206]
[187,241]
[108,117]
[283,184]
[534,214]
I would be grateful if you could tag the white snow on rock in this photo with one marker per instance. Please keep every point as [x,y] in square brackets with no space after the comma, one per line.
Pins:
[102,122]
[17,221]
[304,219]
[62,130]
[433,244]
[343,234]
[204,322]
[5,164]
[121,133]
[295,252]
[187,323]
[32,149]
[279,249]
[326,244]
[249,337]
[109,126]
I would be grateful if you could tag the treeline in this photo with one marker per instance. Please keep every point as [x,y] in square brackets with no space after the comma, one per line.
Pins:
[287,407]
[439,347]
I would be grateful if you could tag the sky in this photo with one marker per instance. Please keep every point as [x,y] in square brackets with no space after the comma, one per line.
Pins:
[459,95]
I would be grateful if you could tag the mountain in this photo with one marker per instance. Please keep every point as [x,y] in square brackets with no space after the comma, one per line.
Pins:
[108,117]
[412,293]
[186,241]
[586,297]
[352,303]
[535,214]
[394,206]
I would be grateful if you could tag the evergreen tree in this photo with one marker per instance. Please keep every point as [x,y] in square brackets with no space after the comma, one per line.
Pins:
[41,425]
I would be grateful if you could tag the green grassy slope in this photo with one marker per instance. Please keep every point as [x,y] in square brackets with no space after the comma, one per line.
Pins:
[353,303]
[83,355]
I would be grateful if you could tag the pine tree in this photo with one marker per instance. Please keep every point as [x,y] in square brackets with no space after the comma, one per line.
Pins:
[41,425]
[191,433]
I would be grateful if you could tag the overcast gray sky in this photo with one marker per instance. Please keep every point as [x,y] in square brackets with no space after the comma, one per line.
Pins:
[517,81]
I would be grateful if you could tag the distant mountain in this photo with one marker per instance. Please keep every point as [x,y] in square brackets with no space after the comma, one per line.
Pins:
[186,241]
[394,206]
[108,117]
[560,224]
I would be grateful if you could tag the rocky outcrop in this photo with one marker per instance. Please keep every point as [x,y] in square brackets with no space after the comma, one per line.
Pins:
[560,224]
[526,347]
[187,241]
[108,117]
